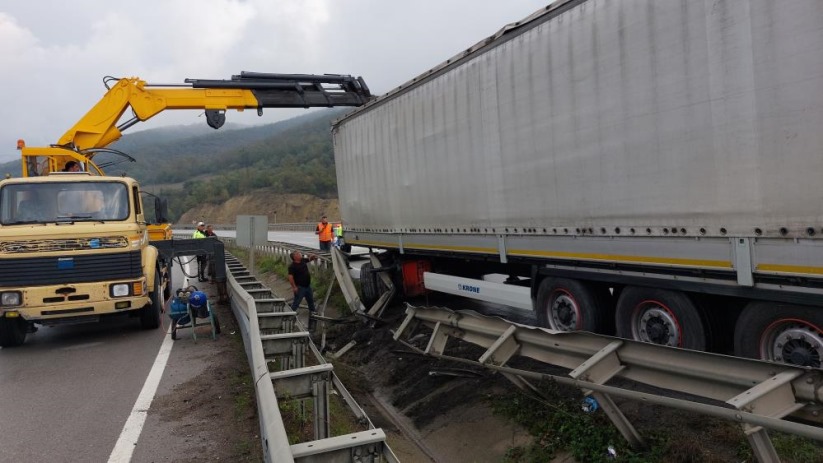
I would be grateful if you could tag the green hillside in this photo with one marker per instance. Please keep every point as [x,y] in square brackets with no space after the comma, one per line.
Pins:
[292,156]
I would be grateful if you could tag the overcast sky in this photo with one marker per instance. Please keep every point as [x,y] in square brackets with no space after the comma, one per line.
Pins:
[54,53]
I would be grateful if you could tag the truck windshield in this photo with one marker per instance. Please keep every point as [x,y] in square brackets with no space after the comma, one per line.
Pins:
[28,203]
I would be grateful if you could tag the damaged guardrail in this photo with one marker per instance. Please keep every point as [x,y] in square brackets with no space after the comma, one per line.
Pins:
[274,337]
[759,395]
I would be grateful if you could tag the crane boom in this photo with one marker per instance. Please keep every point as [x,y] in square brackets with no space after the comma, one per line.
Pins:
[99,127]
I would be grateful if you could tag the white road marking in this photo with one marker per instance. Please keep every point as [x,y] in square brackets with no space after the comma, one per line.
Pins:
[124,448]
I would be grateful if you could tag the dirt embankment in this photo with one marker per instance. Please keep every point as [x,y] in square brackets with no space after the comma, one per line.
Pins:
[280,208]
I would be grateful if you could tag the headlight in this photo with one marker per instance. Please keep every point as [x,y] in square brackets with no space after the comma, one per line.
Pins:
[10,298]
[120,290]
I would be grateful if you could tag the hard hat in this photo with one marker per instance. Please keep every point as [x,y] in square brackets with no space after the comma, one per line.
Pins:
[200,224]
[198,299]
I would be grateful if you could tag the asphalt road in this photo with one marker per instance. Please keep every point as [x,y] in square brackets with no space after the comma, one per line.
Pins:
[66,394]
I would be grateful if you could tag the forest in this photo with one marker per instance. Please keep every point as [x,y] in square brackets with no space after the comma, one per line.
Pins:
[192,165]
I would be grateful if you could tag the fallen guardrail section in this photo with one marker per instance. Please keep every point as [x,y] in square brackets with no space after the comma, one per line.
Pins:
[759,395]
[276,340]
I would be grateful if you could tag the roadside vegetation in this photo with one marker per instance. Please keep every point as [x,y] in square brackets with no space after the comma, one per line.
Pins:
[294,156]
[559,426]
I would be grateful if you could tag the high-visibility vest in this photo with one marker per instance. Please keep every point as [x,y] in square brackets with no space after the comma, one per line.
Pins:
[324,231]
[338,230]
[198,234]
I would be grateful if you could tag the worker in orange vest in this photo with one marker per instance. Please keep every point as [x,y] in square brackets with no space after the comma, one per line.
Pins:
[324,233]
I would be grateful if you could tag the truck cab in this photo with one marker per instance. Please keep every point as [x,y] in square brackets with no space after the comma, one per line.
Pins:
[74,247]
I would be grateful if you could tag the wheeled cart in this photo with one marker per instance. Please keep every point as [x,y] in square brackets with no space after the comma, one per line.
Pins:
[189,305]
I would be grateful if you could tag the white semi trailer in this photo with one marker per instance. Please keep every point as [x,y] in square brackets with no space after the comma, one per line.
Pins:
[651,168]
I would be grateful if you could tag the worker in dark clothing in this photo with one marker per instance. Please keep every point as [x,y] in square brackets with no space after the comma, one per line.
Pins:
[300,280]
[202,259]
[209,233]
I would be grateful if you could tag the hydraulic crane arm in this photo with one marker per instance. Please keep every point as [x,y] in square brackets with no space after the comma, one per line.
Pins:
[99,127]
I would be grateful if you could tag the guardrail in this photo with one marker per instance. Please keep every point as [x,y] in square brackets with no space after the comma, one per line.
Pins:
[759,395]
[274,336]
[282,250]
[296,226]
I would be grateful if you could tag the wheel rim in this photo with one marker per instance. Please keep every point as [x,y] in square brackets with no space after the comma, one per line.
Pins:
[655,323]
[793,341]
[564,312]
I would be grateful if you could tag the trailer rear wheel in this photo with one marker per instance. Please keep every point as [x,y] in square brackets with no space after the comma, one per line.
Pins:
[661,317]
[570,305]
[780,333]
[150,314]
[12,331]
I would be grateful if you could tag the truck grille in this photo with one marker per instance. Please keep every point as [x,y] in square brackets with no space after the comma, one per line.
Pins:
[72,244]
[41,271]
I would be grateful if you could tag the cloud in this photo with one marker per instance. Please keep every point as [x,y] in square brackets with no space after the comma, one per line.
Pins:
[55,53]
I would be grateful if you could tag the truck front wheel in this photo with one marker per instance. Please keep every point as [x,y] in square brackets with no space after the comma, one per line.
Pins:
[150,314]
[369,286]
[12,331]
[780,333]
[570,305]
[661,317]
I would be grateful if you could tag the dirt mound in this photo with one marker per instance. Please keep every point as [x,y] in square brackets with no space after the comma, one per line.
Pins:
[446,403]
[280,208]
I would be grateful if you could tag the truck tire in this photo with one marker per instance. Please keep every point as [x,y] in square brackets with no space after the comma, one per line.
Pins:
[661,317]
[167,289]
[571,305]
[150,314]
[369,293]
[12,331]
[780,333]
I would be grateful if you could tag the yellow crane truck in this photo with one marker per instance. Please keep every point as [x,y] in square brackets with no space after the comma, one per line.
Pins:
[75,246]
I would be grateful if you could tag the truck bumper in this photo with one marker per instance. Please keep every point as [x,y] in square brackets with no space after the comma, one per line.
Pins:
[51,303]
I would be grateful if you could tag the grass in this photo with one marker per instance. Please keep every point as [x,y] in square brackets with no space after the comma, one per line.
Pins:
[321,279]
[244,394]
[298,426]
[560,426]
[796,449]
[273,264]
[343,420]
[243,447]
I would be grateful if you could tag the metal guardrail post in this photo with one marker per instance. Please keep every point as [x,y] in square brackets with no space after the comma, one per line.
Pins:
[295,380]
[272,431]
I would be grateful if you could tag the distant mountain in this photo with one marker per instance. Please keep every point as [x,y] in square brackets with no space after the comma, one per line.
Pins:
[13,168]
[174,154]
[193,165]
